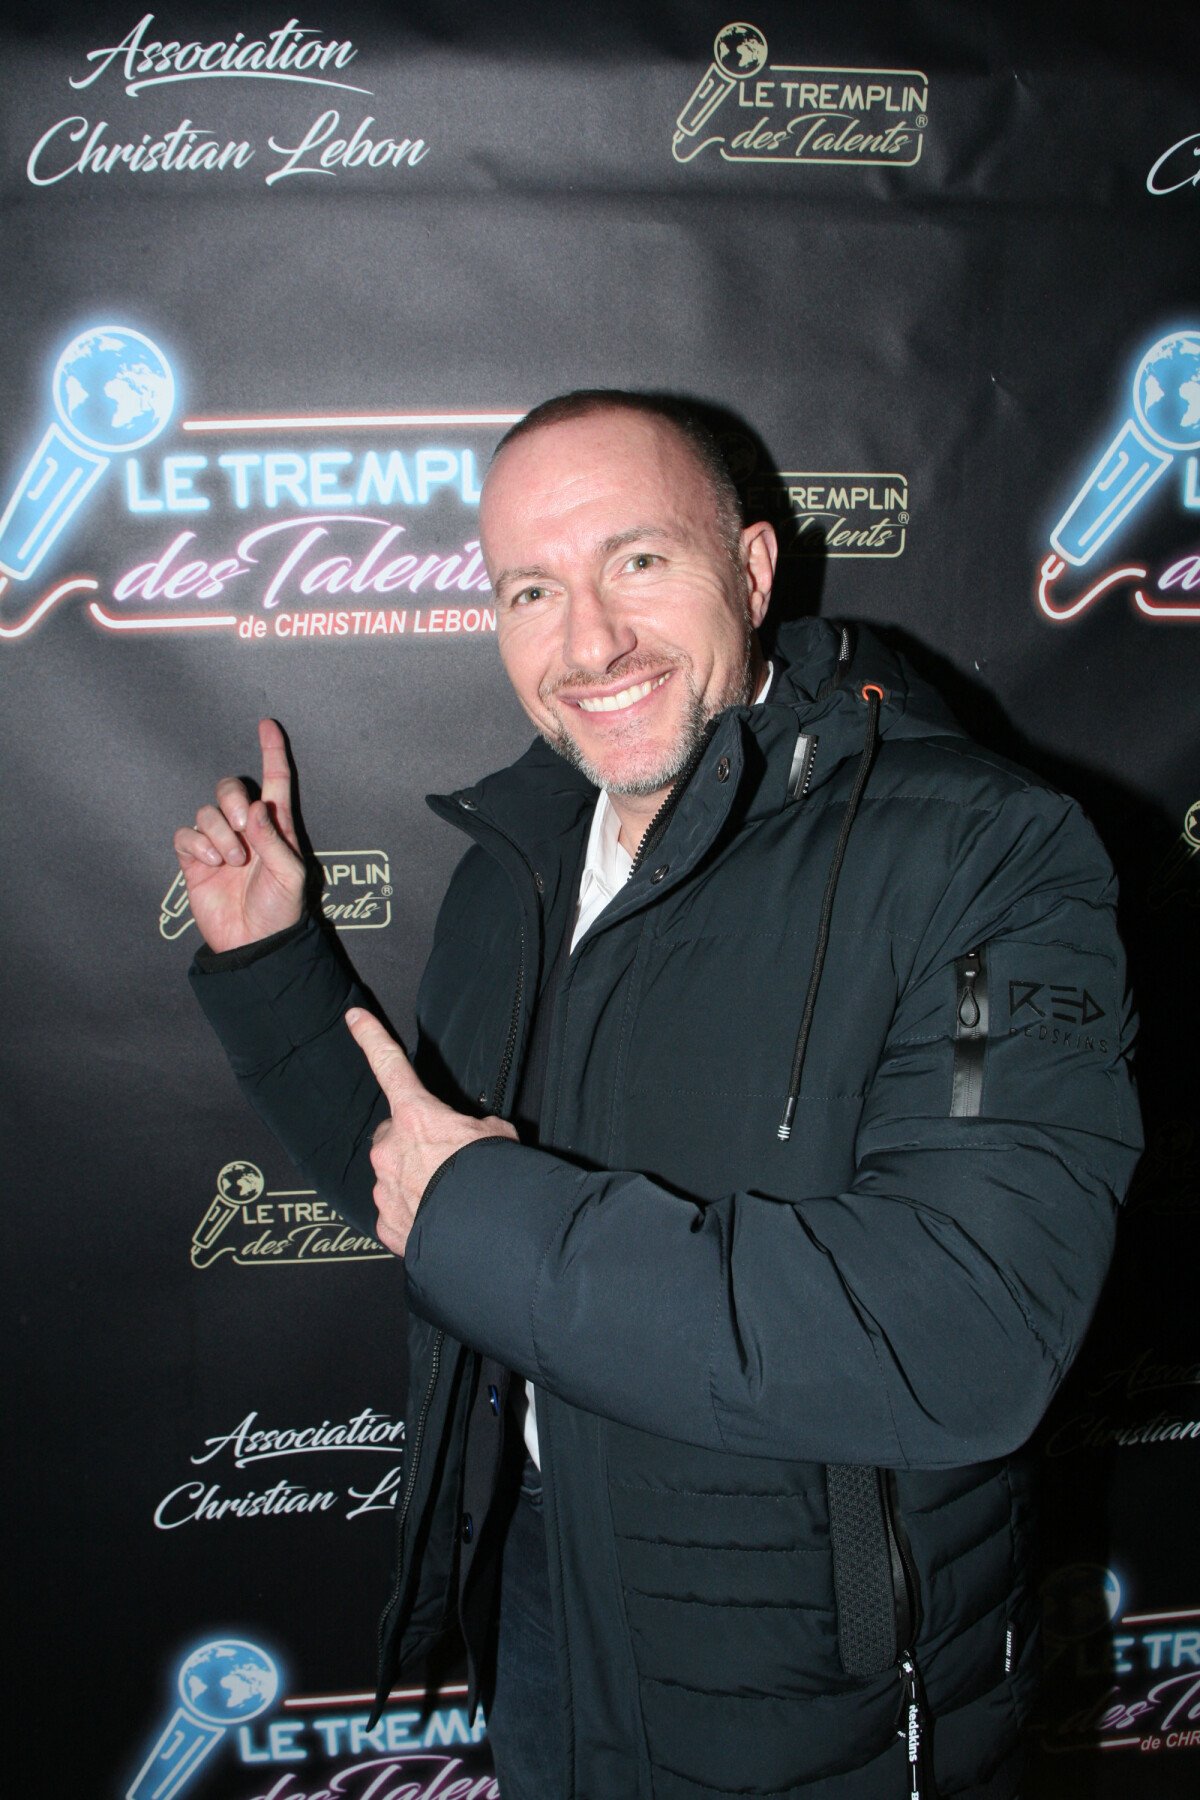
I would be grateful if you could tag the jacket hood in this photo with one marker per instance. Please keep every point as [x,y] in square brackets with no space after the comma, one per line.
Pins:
[822,668]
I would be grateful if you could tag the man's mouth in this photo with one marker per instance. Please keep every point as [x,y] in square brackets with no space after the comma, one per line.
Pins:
[623,698]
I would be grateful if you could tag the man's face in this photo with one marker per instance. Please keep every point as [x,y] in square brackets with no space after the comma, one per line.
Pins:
[623,621]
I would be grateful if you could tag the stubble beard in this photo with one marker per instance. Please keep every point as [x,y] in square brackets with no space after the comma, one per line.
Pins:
[692,727]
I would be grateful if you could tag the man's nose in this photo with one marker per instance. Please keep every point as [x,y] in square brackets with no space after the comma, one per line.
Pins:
[597,633]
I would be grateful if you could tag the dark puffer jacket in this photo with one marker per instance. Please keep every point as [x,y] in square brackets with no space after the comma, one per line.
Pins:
[781,1383]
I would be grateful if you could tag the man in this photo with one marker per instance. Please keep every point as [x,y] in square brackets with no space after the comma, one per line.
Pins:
[769,1114]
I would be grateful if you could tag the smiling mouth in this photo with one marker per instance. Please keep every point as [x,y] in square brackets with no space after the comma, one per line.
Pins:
[618,702]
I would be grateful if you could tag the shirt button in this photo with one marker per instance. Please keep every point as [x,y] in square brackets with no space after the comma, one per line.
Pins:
[538,883]
[723,769]
[467,805]
[468,1528]
[494,1400]
[660,872]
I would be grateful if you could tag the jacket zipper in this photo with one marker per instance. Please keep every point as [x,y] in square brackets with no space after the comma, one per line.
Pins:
[468,805]
[904,1574]
[662,818]
[908,1617]
[409,1484]
[510,1046]
[970,1034]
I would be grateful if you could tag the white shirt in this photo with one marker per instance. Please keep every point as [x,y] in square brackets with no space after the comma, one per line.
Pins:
[606,867]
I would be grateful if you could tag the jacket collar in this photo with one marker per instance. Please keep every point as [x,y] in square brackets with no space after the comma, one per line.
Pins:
[541,805]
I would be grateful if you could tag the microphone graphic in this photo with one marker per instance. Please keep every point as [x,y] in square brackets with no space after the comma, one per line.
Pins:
[175,913]
[220,1684]
[739,50]
[1165,420]
[113,391]
[237,1184]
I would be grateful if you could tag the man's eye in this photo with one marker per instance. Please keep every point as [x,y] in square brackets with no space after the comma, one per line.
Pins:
[530,593]
[643,559]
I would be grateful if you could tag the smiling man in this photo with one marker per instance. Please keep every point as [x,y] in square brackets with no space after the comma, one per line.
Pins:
[623,644]
[733,1133]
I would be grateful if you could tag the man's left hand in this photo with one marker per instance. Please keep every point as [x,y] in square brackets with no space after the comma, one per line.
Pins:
[419,1136]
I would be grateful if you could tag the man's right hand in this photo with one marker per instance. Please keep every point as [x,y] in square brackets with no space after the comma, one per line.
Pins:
[241,860]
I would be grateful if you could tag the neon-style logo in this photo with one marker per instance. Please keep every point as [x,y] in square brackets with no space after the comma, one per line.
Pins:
[1163,422]
[1166,418]
[339,555]
[221,1684]
[113,392]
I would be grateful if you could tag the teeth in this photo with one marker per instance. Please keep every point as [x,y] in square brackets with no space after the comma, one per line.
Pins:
[618,702]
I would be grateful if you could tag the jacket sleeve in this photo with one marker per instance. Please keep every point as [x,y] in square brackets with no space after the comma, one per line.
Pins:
[921,1318]
[277,1008]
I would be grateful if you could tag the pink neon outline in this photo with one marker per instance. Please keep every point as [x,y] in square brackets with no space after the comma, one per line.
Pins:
[350,421]
[189,621]
[300,1701]
[1165,610]
[76,584]
[1051,570]
[1188,1612]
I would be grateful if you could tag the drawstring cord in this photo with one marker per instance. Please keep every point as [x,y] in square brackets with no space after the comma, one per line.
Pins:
[872,695]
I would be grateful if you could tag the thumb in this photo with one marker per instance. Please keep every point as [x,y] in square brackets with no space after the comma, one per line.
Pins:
[389,1065]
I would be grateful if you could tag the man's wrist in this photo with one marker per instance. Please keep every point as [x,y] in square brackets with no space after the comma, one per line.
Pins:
[242,955]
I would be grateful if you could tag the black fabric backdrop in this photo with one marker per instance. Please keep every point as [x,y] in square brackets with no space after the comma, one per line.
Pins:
[915,256]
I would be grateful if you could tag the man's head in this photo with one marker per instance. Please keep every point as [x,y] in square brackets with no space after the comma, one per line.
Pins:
[627,590]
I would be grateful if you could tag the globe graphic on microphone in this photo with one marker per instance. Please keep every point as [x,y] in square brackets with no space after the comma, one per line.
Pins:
[1166,391]
[239,1182]
[228,1681]
[113,389]
[740,50]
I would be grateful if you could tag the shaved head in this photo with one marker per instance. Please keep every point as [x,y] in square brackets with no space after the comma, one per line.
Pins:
[687,424]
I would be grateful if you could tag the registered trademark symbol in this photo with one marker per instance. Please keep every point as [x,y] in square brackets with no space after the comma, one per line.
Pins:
[921,120]
[903,518]
[386,888]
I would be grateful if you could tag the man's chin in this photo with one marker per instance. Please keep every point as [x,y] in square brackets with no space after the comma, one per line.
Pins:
[630,774]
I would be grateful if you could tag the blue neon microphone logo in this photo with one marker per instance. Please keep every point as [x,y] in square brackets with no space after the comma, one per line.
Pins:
[1164,420]
[113,392]
[221,1685]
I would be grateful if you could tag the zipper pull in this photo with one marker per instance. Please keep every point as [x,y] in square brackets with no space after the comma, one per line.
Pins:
[913,1730]
[968,1005]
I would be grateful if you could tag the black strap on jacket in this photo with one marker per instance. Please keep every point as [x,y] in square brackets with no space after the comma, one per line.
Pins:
[862,1570]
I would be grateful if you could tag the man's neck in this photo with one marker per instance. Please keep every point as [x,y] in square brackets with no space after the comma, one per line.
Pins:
[635,811]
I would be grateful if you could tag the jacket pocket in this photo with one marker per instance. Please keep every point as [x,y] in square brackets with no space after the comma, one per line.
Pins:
[970,1034]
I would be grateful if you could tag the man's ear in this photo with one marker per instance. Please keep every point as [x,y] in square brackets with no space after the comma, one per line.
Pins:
[760,553]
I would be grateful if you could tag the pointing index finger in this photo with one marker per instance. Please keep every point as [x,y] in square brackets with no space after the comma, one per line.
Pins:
[389,1065]
[276,769]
